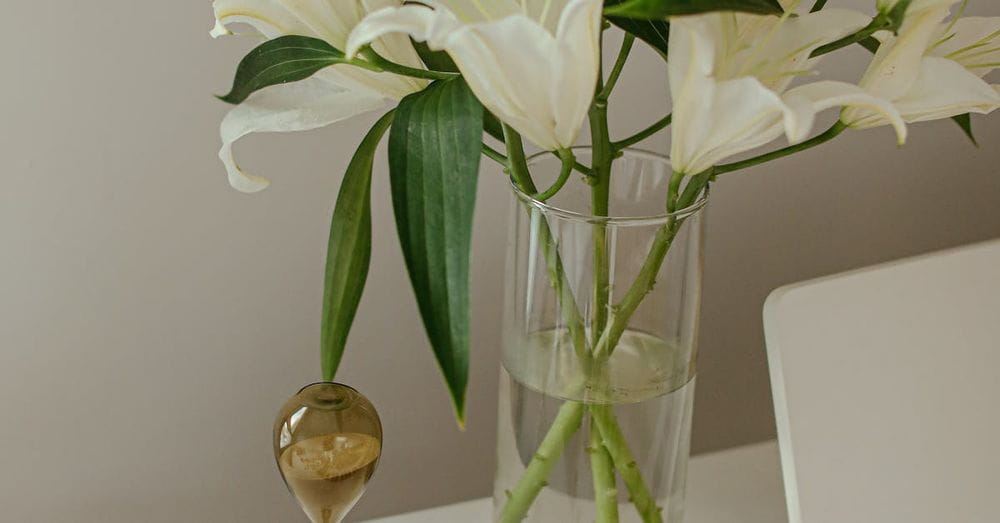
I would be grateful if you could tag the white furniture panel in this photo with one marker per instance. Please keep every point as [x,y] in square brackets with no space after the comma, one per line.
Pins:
[887,392]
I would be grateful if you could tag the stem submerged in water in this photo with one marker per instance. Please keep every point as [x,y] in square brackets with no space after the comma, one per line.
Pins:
[566,423]
[603,471]
[614,441]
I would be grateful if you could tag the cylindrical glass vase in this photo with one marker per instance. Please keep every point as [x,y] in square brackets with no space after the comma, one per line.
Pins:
[599,349]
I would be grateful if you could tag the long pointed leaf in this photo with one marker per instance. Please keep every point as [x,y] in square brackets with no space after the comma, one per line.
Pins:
[659,9]
[656,33]
[434,149]
[282,60]
[965,122]
[349,251]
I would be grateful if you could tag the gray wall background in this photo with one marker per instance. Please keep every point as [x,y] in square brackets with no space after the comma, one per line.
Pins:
[153,320]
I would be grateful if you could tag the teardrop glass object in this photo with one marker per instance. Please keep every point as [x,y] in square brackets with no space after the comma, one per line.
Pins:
[327,442]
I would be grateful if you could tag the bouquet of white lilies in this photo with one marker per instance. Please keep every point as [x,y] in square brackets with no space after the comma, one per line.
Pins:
[457,78]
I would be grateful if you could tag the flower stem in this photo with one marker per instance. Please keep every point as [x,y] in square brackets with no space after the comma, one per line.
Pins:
[616,71]
[389,66]
[614,441]
[603,472]
[517,165]
[643,134]
[642,286]
[495,155]
[826,136]
[566,423]
[600,197]
[568,160]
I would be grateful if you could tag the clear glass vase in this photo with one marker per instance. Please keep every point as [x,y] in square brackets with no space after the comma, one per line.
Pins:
[599,349]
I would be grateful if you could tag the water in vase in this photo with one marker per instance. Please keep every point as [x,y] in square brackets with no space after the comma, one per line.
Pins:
[650,388]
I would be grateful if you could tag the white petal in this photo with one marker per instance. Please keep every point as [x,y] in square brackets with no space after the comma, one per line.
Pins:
[820,96]
[692,58]
[735,116]
[270,17]
[745,115]
[972,41]
[897,62]
[479,11]
[298,106]
[512,65]
[578,38]
[787,50]
[945,89]
[421,23]
[516,86]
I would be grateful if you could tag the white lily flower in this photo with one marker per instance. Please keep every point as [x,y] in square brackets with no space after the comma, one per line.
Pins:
[730,75]
[933,69]
[332,94]
[533,63]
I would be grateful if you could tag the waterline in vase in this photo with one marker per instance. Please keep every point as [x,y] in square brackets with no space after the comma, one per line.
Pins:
[656,427]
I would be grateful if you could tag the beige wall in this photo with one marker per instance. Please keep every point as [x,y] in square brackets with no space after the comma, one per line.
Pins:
[153,320]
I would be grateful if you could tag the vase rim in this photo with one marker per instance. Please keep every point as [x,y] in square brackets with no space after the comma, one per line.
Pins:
[636,220]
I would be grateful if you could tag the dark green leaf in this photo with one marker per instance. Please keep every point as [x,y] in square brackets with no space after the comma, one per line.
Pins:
[282,60]
[656,33]
[349,250]
[434,60]
[492,126]
[965,122]
[660,9]
[818,6]
[434,150]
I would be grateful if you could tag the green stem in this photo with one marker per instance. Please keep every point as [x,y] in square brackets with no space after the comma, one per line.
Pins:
[643,134]
[600,196]
[614,441]
[535,477]
[889,21]
[603,472]
[616,71]
[495,155]
[646,279]
[826,136]
[643,285]
[388,66]
[518,167]
[568,159]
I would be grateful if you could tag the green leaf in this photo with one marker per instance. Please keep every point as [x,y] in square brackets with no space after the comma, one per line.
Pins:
[660,9]
[965,122]
[492,126]
[282,60]
[349,251]
[656,33]
[434,60]
[434,148]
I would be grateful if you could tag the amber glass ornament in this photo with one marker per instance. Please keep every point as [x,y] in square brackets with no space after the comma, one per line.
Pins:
[327,441]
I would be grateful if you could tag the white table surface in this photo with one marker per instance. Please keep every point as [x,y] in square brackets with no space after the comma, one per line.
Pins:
[738,485]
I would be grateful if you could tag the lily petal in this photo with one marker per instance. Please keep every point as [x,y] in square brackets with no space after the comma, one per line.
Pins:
[578,38]
[735,116]
[329,21]
[816,97]
[794,40]
[270,17]
[537,87]
[972,41]
[897,61]
[944,89]
[298,106]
